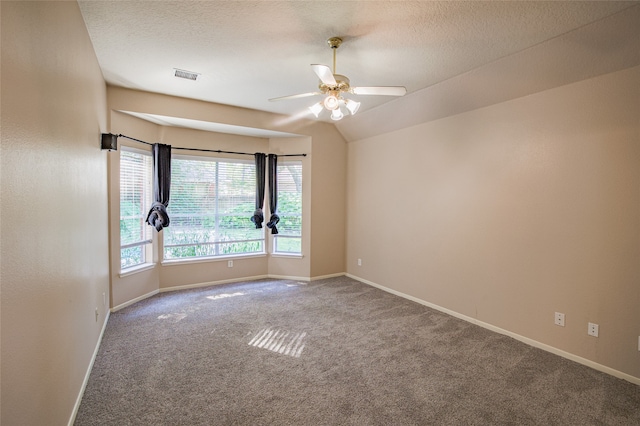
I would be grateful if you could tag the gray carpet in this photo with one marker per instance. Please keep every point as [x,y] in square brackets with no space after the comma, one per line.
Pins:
[331,352]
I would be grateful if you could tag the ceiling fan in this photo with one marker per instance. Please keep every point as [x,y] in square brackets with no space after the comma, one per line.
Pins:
[333,86]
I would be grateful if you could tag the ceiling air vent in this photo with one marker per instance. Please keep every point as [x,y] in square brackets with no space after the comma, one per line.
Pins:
[186,74]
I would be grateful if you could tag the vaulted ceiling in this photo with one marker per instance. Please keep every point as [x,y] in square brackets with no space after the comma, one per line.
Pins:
[247,52]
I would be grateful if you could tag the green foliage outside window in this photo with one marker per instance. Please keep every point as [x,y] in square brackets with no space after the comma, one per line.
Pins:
[210,209]
[289,237]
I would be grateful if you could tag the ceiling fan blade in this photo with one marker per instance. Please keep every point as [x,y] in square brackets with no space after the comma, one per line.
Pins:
[324,73]
[301,95]
[380,90]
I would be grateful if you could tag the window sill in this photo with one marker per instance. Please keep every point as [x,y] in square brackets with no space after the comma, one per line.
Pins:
[288,255]
[136,269]
[174,262]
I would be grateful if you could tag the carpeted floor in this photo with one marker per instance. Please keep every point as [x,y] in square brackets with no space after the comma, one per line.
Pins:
[331,352]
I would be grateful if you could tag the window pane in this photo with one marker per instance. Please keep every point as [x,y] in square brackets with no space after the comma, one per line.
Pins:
[131,256]
[289,208]
[288,245]
[211,205]
[135,201]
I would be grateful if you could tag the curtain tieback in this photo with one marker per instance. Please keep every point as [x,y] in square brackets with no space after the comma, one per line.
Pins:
[258,218]
[158,217]
[273,221]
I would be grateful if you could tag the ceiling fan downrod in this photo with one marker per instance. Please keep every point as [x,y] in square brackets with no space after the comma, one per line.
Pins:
[334,43]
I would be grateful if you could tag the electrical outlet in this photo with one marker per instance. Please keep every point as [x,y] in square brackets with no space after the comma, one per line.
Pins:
[592,330]
[96,314]
[359,262]
[559,319]
[230,263]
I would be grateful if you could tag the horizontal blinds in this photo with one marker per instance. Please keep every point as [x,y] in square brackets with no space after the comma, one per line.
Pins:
[290,198]
[135,196]
[210,208]
[204,188]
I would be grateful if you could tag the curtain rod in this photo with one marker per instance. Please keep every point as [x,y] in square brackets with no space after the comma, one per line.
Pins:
[209,150]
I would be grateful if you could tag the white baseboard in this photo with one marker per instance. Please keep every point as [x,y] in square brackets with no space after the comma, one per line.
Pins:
[528,341]
[232,280]
[322,277]
[210,283]
[76,406]
[235,280]
[132,301]
[288,277]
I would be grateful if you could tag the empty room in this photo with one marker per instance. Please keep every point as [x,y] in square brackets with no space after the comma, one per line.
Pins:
[320,212]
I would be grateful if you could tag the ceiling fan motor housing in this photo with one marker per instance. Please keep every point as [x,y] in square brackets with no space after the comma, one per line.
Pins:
[341,86]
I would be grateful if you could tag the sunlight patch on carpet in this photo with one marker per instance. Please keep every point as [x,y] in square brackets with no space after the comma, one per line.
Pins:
[173,317]
[296,284]
[225,295]
[279,341]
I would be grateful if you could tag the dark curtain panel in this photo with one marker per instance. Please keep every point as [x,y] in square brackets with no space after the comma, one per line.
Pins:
[258,215]
[158,217]
[273,193]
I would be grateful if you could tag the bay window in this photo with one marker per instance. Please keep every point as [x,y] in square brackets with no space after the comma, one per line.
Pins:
[210,208]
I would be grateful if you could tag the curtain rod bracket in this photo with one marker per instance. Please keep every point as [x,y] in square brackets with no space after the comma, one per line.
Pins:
[109,142]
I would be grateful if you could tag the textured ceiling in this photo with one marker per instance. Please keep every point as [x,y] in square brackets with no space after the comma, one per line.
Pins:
[248,52]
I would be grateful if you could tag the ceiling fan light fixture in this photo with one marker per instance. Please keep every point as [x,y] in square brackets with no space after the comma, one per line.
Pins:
[352,106]
[316,109]
[336,114]
[333,86]
[331,102]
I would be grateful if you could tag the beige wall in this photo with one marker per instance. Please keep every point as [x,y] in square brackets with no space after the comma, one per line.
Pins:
[512,212]
[324,171]
[54,210]
[328,203]
[283,265]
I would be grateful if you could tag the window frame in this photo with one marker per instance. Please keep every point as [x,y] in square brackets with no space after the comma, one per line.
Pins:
[145,243]
[214,257]
[280,236]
